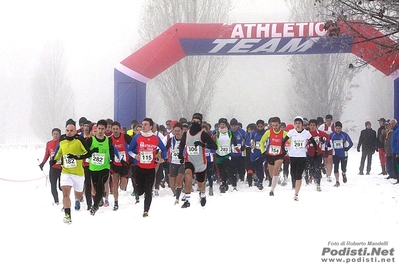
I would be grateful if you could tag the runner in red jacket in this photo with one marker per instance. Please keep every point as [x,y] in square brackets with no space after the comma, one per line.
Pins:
[55,170]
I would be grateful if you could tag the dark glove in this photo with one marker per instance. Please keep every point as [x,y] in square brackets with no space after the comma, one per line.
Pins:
[346,149]
[199,143]
[358,149]
[52,162]
[94,150]
[41,166]
[328,144]
[283,149]
[181,159]
[376,149]
[72,156]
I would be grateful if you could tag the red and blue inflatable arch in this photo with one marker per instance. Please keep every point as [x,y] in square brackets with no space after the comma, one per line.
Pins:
[185,39]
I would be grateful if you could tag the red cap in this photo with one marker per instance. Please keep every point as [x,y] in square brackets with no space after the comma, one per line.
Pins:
[172,123]
[289,127]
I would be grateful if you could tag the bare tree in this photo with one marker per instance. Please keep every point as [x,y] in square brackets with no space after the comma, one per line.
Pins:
[52,94]
[358,16]
[322,81]
[189,85]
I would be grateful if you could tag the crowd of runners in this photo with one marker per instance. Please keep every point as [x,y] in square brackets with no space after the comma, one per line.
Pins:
[97,159]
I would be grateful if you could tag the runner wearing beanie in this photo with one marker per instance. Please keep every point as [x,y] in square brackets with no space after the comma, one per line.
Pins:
[72,149]
[341,143]
[193,143]
[256,156]
[82,120]
[299,138]
[237,155]
[249,167]
[315,161]
[225,141]
[328,127]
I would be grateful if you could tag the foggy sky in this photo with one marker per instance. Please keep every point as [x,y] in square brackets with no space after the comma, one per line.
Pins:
[99,34]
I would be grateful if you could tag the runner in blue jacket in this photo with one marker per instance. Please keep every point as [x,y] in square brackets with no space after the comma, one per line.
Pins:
[341,143]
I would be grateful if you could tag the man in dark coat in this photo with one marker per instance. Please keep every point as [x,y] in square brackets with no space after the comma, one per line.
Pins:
[380,145]
[368,142]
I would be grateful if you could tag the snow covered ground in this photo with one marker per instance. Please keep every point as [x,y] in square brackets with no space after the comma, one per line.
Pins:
[243,227]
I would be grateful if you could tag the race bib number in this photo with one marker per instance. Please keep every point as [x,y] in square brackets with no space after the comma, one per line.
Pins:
[122,156]
[224,150]
[192,150]
[338,144]
[146,157]
[69,162]
[175,154]
[298,144]
[98,158]
[274,150]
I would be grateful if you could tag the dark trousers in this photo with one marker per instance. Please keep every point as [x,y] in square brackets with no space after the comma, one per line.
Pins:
[132,177]
[249,166]
[99,179]
[160,174]
[286,165]
[390,166]
[209,173]
[315,168]
[54,176]
[238,167]
[258,165]
[145,179]
[369,156]
[88,196]
[298,165]
[340,160]
[395,163]
[224,169]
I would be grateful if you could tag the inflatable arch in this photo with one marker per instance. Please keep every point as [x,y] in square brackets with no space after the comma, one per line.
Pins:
[185,39]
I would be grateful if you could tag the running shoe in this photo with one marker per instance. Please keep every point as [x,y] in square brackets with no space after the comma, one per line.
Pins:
[186,204]
[93,210]
[210,191]
[106,203]
[67,219]
[77,205]
[203,200]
